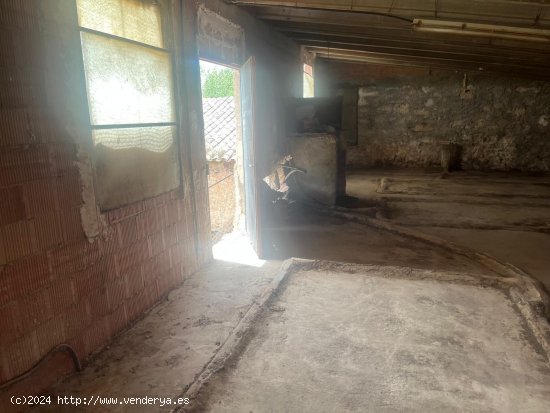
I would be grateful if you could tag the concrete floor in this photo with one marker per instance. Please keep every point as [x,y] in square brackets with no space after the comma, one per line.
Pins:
[167,350]
[506,215]
[373,339]
[526,250]
[310,234]
[163,353]
[172,344]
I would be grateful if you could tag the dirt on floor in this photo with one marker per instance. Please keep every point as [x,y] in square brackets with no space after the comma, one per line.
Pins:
[309,234]
[506,215]
[526,250]
[162,354]
[372,339]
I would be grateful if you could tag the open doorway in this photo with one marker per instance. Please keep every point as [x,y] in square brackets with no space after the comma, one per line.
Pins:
[226,142]
[220,107]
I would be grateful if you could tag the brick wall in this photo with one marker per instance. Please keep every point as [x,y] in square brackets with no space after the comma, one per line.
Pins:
[56,284]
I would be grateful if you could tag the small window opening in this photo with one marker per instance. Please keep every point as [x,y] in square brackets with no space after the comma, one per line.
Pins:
[308,81]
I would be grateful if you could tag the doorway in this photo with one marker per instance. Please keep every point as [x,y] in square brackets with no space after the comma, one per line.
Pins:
[221,127]
[228,106]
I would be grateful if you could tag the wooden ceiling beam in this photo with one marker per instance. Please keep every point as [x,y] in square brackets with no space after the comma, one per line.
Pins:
[471,60]
[482,53]
[369,31]
[434,63]
[491,12]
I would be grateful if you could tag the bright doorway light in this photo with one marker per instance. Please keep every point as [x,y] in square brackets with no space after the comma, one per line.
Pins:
[236,247]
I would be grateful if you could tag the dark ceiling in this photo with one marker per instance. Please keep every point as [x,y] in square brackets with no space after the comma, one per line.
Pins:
[381,31]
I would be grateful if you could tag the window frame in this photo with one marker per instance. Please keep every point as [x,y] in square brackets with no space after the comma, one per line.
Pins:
[168,41]
[312,76]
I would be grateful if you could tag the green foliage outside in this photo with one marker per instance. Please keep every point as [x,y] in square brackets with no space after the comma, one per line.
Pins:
[217,83]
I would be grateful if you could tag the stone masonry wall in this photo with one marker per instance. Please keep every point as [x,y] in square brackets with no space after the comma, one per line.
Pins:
[406,114]
[221,196]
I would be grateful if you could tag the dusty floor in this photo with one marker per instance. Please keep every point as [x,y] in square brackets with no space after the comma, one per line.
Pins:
[504,214]
[163,353]
[173,343]
[385,339]
[309,234]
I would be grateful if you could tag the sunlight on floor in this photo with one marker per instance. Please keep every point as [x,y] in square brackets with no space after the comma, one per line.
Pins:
[235,247]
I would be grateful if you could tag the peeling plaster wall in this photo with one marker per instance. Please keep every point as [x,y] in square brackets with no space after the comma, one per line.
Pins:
[278,74]
[219,38]
[406,114]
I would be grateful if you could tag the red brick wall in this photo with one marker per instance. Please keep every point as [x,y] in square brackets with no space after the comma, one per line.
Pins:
[56,285]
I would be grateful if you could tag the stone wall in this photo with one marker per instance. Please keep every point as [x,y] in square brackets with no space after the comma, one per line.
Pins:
[221,195]
[406,114]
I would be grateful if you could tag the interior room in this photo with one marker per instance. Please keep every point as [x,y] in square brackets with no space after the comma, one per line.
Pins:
[265,206]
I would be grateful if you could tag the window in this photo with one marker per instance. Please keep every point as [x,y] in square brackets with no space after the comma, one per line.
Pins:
[308,81]
[129,82]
